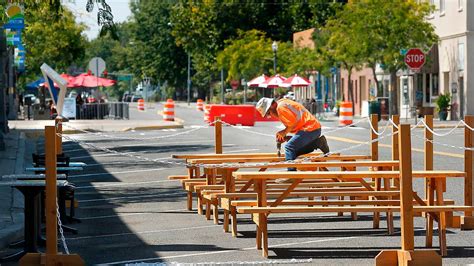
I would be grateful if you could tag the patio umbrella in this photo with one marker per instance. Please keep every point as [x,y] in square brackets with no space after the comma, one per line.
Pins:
[70,80]
[90,81]
[257,81]
[35,84]
[296,81]
[273,82]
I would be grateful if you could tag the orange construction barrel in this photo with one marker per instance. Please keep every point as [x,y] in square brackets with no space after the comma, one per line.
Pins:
[141,105]
[345,113]
[200,105]
[207,111]
[168,111]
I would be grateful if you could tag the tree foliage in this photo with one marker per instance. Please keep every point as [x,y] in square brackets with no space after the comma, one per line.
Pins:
[59,43]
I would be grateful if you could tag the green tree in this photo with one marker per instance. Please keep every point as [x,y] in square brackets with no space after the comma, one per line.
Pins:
[380,29]
[59,43]
[153,50]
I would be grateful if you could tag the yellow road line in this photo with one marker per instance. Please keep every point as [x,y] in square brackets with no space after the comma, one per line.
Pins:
[347,140]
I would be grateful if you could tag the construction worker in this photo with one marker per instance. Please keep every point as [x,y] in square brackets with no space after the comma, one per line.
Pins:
[297,120]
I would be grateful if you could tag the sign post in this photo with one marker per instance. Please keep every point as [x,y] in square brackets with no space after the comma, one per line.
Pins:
[415,58]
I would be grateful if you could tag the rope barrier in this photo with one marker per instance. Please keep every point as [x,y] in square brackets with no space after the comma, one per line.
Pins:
[444,134]
[466,125]
[444,144]
[138,139]
[263,262]
[375,131]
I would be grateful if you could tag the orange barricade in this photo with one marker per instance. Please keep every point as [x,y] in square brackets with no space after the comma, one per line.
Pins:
[141,105]
[207,108]
[234,114]
[345,113]
[168,111]
[200,105]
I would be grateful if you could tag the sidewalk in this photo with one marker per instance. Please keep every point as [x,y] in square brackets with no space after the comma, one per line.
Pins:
[12,161]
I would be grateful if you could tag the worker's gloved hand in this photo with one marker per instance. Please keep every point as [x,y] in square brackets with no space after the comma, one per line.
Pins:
[280,136]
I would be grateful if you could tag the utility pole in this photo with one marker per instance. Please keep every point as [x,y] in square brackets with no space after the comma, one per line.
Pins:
[189,79]
[222,86]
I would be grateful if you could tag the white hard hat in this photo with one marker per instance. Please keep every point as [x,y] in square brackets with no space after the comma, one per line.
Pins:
[264,105]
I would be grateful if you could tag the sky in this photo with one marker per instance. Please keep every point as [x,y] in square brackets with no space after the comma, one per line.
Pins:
[120,10]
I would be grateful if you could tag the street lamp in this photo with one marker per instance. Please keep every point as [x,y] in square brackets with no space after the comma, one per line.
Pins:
[274,48]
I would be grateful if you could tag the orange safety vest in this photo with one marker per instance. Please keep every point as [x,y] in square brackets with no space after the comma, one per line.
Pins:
[294,114]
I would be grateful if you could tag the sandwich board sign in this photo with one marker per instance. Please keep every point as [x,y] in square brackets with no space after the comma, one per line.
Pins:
[51,77]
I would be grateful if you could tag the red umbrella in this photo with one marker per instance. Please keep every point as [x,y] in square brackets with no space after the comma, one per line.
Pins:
[273,82]
[257,81]
[296,81]
[70,81]
[90,81]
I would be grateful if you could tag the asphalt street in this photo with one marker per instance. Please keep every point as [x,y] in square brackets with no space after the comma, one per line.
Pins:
[131,213]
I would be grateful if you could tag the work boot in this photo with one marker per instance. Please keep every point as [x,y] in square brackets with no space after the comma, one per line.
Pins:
[323,144]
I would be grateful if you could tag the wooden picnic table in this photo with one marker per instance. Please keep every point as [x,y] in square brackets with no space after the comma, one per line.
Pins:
[261,211]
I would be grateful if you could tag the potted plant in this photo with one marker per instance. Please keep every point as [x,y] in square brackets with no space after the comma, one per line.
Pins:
[442,103]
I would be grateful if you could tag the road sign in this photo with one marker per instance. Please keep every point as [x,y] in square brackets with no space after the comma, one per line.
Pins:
[97,66]
[234,84]
[124,78]
[415,58]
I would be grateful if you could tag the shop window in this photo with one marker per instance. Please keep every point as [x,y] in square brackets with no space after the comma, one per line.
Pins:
[435,87]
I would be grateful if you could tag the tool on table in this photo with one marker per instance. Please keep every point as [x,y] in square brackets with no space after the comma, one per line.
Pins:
[287,138]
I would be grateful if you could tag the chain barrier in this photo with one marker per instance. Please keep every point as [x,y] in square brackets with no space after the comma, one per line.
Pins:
[138,139]
[61,232]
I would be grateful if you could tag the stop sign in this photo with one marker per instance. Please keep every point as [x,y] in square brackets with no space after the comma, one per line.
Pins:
[415,58]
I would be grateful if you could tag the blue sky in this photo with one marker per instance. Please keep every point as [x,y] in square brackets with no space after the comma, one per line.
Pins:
[120,10]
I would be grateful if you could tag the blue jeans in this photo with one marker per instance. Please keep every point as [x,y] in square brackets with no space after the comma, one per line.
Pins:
[297,143]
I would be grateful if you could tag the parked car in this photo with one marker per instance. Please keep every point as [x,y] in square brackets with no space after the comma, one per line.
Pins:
[135,98]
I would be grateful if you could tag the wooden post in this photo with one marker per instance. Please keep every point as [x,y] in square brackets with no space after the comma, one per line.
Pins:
[51,257]
[51,191]
[218,134]
[374,147]
[374,152]
[59,130]
[395,146]
[429,183]
[468,163]
[407,255]
[406,189]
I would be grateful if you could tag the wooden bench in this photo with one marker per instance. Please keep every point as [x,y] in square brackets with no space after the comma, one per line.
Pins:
[261,211]
[194,171]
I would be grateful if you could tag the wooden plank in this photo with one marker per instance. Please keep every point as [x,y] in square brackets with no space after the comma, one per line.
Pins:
[345,174]
[367,209]
[232,155]
[275,159]
[468,163]
[51,191]
[348,165]
[406,189]
[218,134]
[251,203]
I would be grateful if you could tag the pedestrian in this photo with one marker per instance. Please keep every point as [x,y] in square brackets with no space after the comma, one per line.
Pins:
[297,120]
[52,110]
